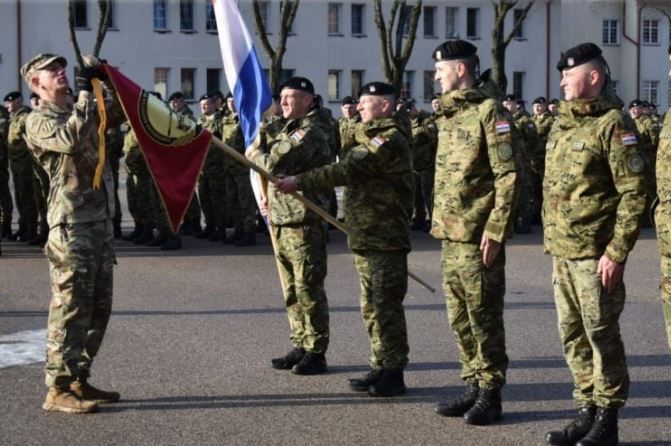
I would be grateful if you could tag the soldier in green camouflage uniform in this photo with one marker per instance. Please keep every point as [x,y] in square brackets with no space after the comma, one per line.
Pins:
[80,249]
[239,193]
[424,142]
[595,193]
[648,141]
[663,215]
[476,181]
[378,180]
[139,186]
[300,235]
[6,205]
[543,120]
[331,128]
[114,140]
[347,125]
[21,165]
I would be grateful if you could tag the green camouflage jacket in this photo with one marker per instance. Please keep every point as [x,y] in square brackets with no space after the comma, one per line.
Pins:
[16,144]
[214,161]
[329,126]
[595,188]
[476,168]
[378,180]
[529,139]
[135,161]
[663,173]
[299,146]
[649,138]
[543,126]
[65,142]
[232,136]
[347,127]
[424,142]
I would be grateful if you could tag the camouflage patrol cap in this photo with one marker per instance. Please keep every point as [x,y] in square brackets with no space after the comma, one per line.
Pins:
[578,55]
[40,62]
[453,50]
[377,89]
[540,100]
[299,83]
[12,96]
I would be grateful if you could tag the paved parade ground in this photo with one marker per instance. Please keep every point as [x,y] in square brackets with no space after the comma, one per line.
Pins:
[192,333]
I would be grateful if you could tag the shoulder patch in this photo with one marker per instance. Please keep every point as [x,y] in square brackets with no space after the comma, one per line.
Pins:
[298,135]
[636,163]
[284,147]
[502,127]
[504,151]
[628,139]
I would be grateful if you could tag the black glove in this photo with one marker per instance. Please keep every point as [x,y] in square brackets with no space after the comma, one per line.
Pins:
[83,79]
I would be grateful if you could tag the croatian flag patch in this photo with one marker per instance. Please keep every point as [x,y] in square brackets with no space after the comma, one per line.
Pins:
[378,141]
[298,135]
[628,139]
[502,127]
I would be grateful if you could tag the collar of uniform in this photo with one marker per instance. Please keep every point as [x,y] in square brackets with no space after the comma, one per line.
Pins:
[594,106]
[23,109]
[375,126]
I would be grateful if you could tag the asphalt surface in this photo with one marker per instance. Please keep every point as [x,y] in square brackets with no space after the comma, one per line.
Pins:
[193,331]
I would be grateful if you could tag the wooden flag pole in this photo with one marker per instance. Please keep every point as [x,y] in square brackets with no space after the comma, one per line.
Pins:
[307,203]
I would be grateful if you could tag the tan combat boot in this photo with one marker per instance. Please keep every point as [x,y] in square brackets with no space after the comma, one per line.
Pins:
[87,392]
[60,400]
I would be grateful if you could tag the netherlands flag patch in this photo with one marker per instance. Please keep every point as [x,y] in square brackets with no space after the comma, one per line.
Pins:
[502,127]
[628,139]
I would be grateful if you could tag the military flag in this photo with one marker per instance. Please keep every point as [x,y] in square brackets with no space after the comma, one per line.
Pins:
[173,145]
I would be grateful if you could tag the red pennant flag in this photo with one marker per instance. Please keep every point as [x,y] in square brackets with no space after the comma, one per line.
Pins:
[173,145]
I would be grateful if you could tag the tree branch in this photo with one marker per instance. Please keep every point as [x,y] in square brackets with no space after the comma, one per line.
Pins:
[261,29]
[104,8]
[412,32]
[73,34]
[382,33]
[518,24]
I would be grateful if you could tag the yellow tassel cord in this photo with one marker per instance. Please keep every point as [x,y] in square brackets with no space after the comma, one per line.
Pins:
[100,99]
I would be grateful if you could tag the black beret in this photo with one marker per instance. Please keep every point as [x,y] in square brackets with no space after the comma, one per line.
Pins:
[436,96]
[216,94]
[636,103]
[12,95]
[578,55]
[229,95]
[176,95]
[645,104]
[453,50]
[348,100]
[34,95]
[276,96]
[509,97]
[554,101]
[521,102]
[652,105]
[299,83]
[209,96]
[540,100]
[377,89]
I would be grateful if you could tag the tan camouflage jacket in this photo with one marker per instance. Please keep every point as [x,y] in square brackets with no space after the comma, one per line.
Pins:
[232,136]
[663,210]
[424,142]
[529,140]
[649,138]
[65,142]
[595,187]
[135,162]
[330,128]
[476,169]
[16,144]
[299,146]
[544,124]
[378,180]
[214,161]
[348,127]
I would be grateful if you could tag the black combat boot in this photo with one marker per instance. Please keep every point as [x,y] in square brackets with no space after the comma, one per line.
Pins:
[461,405]
[217,235]
[40,239]
[390,383]
[172,242]
[249,239]
[146,236]
[159,240]
[29,233]
[291,359]
[575,430]
[237,235]
[135,233]
[310,364]
[205,233]
[116,227]
[486,409]
[603,431]
[362,384]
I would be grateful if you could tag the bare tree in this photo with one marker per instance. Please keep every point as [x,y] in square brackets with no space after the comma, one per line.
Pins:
[663,6]
[500,40]
[402,24]
[104,10]
[287,16]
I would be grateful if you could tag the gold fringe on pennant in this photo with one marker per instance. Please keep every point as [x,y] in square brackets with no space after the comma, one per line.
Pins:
[100,99]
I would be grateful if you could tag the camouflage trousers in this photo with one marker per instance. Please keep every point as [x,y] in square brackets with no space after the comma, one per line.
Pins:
[383,276]
[424,180]
[212,193]
[666,294]
[81,258]
[301,259]
[22,176]
[475,312]
[139,186]
[590,332]
[41,194]
[241,203]
[6,205]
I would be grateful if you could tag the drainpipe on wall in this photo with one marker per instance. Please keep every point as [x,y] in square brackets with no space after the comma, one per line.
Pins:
[637,43]
[19,55]
[548,41]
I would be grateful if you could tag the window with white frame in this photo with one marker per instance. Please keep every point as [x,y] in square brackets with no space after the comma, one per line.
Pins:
[111,18]
[429,85]
[188,81]
[650,31]
[358,77]
[334,85]
[406,85]
[334,12]
[358,17]
[518,83]
[451,23]
[80,14]
[186,15]
[610,32]
[264,12]
[404,20]
[472,23]
[161,80]
[650,91]
[210,20]
[213,79]
[430,21]
[160,15]
[517,16]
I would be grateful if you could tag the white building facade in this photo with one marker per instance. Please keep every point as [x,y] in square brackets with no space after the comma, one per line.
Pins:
[171,45]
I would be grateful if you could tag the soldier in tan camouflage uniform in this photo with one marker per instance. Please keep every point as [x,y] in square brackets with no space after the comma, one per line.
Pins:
[543,119]
[80,249]
[139,186]
[663,214]
[476,181]
[300,235]
[595,193]
[347,124]
[21,165]
[6,205]
[378,177]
